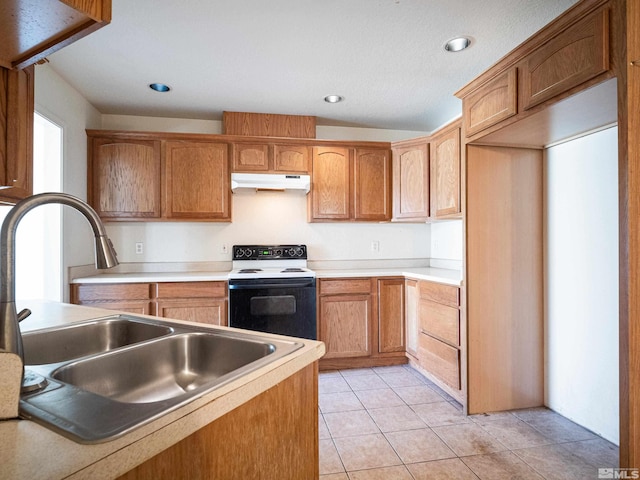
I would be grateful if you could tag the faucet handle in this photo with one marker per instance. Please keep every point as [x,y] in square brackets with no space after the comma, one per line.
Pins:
[23,314]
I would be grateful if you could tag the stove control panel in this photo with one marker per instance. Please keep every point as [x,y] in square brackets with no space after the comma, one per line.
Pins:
[269,252]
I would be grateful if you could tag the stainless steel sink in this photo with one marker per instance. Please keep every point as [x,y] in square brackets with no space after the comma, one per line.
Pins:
[165,369]
[100,392]
[59,344]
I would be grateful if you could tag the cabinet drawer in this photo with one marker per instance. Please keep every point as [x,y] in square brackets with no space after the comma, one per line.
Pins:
[440,359]
[491,103]
[345,286]
[576,55]
[96,292]
[192,290]
[441,321]
[436,292]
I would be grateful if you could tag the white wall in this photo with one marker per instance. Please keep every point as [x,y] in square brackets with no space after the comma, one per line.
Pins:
[61,103]
[446,241]
[184,125]
[268,217]
[581,324]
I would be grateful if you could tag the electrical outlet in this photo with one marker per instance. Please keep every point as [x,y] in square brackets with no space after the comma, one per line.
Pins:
[224,248]
[375,246]
[139,248]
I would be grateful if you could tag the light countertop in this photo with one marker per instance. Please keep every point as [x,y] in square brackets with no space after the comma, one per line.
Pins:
[29,450]
[440,275]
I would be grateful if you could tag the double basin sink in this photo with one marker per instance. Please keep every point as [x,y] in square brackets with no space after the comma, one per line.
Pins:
[110,375]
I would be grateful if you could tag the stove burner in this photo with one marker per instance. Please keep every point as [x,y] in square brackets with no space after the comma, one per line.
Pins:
[293,269]
[250,270]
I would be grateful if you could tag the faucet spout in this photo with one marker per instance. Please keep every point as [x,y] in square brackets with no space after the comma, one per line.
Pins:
[10,336]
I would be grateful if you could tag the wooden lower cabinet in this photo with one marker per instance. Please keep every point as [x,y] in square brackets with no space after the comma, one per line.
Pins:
[436,329]
[391,306]
[345,325]
[203,302]
[127,297]
[274,436]
[412,300]
[361,322]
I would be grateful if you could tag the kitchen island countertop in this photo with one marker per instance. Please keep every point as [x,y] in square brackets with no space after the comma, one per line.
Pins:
[29,450]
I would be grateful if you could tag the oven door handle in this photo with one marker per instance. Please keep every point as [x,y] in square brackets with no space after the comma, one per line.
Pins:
[260,286]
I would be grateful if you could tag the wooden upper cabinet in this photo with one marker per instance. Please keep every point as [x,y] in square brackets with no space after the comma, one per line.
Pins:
[350,184]
[331,188]
[271,158]
[197,181]
[576,55]
[372,184]
[16,134]
[411,182]
[250,157]
[124,178]
[445,174]
[491,103]
[291,158]
[33,30]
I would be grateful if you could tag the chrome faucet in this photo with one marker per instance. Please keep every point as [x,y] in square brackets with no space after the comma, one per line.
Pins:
[10,336]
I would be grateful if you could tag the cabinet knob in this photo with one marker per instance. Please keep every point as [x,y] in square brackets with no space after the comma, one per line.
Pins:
[635,63]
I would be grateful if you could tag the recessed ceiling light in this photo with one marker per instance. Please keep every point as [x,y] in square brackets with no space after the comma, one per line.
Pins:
[333,98]
[159,87]
[457,44]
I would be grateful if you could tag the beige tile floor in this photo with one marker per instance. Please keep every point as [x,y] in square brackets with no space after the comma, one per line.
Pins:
[389,423]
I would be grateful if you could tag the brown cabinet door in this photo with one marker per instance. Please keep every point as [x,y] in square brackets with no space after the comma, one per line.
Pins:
[345,325]
[411,316]
[250,157]
[445,174]
[197,181]
[577,54]
[16,134]
[291,158]
[491,103]
[124,178]
[331,187]
[411,182]
[372,184]
[211,311]
[391,312]
[440,359]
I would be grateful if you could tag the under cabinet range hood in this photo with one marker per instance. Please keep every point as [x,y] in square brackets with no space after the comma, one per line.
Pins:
[270,181]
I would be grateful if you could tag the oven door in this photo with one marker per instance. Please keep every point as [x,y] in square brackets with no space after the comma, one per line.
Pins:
[284,306]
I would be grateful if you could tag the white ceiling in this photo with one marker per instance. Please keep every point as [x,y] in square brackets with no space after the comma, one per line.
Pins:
[283,56]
